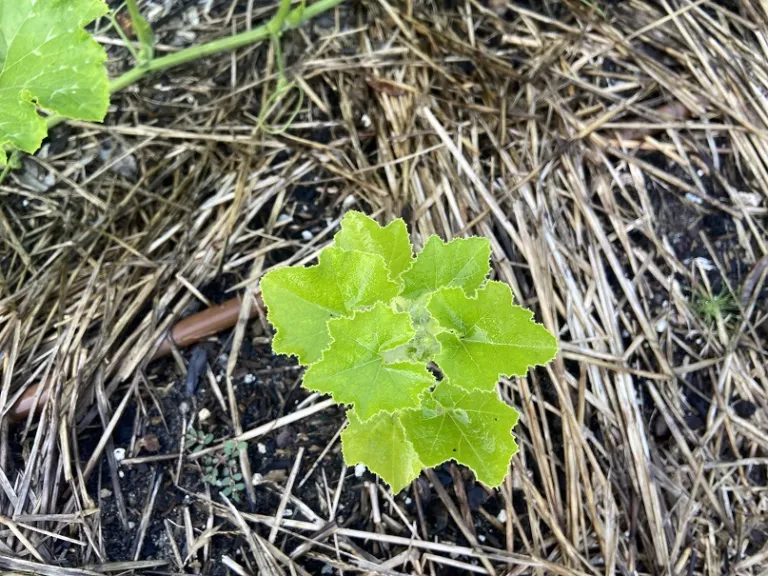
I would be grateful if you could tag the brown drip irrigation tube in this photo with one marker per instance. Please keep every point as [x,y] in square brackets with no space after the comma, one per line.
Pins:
[185,332]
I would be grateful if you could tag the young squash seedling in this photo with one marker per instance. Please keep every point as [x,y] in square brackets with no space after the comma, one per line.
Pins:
[373,324]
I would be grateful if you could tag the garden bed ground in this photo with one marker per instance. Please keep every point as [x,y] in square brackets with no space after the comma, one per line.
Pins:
[614,153]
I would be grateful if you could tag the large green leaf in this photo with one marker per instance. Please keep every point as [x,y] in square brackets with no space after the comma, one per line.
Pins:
[357,367]
[359,232]
[473,428]
[301,301]
[462,263]
[487,336]
[381,445]
[48,60]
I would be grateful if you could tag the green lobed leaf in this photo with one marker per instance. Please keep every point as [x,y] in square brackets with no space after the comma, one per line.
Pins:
[48,60]
[355,369]
[381,445]
[462,263]
[487,336]
[360,232]
[301,301]
[473,428]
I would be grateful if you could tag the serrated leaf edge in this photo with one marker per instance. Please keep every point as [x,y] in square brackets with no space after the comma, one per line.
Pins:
[531,319]
[40,131]
[419,464]
[446,244]
[511,428]
[276,336]
[399,277]
[351,405]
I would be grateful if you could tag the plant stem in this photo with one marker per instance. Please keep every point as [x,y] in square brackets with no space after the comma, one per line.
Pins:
[287,20]
[275,25]
[143,32]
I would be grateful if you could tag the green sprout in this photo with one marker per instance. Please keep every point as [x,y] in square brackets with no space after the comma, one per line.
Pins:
[371,318]
[221,468]
[713,307]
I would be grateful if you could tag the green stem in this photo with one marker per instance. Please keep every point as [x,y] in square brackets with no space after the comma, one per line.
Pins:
[275,25]
[222,45]
[123,37]
[294,19]
[143,32]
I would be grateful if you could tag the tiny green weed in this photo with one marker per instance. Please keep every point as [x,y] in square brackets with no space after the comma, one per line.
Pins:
[221,468]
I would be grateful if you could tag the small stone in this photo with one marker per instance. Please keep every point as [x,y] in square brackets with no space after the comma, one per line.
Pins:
[184,408]
[121,473]
[693,198]
[481,538]
[257,479]
[204,414]
[306,235]
[261,448]
[105,493]
[661,325]
[287,512]
[131,524]
[359,470]
[249,379]
[119,454]
[502,516]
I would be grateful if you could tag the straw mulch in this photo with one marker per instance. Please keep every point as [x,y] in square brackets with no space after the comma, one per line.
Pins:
[615,154]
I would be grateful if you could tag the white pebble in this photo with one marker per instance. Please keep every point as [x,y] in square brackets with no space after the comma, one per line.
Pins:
[693,198]
[481,537]
[661,325]
[257,479]
[502,516]
[359,470]
[119,454]
[249,379]
[704,263]
[288,512]
[204,414]
[261,448]
[408,501]
[307,235]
